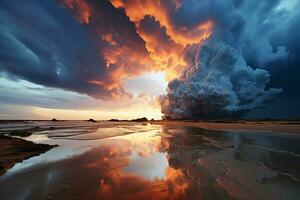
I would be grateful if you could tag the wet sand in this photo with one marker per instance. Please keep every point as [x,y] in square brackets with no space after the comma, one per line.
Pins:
[173,160]
[13,150]
[279,127]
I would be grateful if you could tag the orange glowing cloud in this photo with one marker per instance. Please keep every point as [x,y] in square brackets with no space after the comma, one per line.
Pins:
[109,38]
[80,8]
[119,46]
[166,53]
[142,39]
[138,9]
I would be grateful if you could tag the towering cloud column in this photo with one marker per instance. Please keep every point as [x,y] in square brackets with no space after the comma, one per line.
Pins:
[219,85]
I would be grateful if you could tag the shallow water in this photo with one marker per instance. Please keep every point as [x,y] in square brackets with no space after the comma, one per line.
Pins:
[135,161]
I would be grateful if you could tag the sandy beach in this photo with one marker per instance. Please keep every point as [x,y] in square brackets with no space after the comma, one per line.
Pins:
[155,160]
[15,150]
[279,127]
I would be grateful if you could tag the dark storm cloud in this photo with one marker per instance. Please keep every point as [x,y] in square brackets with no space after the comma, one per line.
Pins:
[92,46]
[285,74]
[42,42]
[258,33]
[116,37]
[220,85]
[249,25]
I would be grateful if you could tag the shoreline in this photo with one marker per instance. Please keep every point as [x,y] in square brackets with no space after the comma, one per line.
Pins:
[277,127]
[14,150]
[156,154]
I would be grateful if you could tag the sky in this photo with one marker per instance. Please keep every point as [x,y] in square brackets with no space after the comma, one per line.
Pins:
[125,59]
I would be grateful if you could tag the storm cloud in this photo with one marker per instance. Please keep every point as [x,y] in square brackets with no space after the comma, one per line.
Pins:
[42,42]
[228,75]
[221,58]
[220,85]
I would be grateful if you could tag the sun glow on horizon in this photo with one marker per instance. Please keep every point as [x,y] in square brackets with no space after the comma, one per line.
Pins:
[122,114]
[36,102]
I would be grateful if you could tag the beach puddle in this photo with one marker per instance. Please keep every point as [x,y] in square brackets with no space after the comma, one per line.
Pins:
[136,161]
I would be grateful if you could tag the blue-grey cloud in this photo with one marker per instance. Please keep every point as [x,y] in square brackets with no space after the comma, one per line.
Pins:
[258,32]
[90,46]
[42,42]
[219,85]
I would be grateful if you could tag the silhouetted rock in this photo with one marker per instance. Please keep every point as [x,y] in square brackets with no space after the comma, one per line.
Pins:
[91,120]
[113,120]
[54,120]
[143,119]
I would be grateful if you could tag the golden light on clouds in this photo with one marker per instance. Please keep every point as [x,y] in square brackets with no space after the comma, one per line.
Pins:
[131,112]
[166,45]
[165,42]
[150,42]
[81,8]
[94,55]
[136,11]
